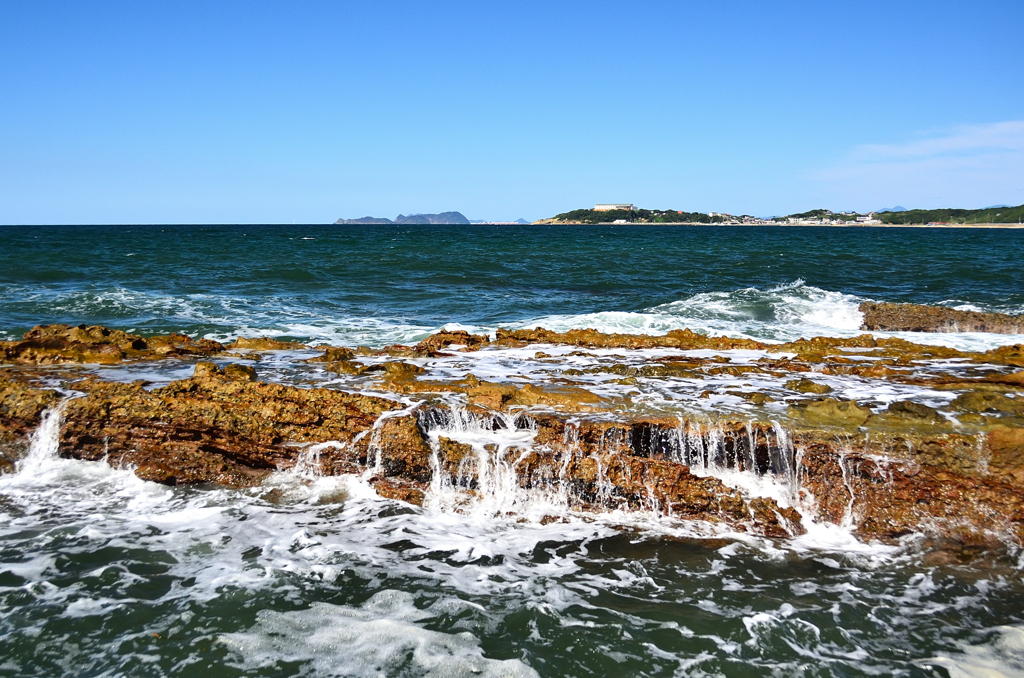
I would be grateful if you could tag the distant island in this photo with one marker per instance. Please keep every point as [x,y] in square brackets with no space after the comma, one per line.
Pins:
[442,218]
[897,216]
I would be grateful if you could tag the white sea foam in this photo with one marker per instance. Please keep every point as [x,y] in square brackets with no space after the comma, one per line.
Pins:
[1002,657]
[382,637]
[782,313]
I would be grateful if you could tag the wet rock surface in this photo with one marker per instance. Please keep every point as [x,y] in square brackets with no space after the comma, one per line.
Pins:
[951,467]
[56,344]
[888,317]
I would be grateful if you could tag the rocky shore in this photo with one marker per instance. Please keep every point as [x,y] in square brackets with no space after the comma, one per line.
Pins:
[888,317]
[768,443]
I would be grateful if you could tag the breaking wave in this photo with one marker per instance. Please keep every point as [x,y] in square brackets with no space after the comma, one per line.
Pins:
[782,313]
[773,314]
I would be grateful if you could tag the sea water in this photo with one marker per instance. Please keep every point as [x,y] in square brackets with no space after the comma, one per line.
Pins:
[102,573]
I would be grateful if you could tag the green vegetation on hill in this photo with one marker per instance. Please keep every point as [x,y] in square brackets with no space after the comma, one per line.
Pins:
[991,215]
[642,216]
[823,214]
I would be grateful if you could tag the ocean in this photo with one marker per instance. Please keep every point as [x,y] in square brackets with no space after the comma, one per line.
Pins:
[105,574]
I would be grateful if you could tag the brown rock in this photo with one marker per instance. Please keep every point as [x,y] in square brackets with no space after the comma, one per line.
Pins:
[265,344]
[397,371]
[454,452]
[54,344]
[907,409]
[832,412]
[1005,355]
[396,488]
[808,386]
[22,404]
[898,472]
[83,334]
[683,339]
[182,345]
[978,401]
[238,372]
[333,354]
[204,369]
[446,338]
[344,367]
[214,429]
[1006,446]
[50,351]
[889,317]
[1012,379]
[403,449]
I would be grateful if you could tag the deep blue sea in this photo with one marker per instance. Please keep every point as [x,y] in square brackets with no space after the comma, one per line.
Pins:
[382,284]
[104,574]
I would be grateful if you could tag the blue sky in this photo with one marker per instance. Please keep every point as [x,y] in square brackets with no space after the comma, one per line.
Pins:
[161,112]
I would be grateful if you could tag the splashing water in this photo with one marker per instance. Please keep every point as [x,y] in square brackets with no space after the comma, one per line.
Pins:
[486,483]
[44,442]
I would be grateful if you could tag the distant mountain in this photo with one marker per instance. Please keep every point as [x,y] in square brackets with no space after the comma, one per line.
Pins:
[442,218]
[523,221]
[365,220]
[898,208]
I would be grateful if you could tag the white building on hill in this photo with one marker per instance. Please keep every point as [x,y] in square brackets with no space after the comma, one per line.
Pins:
[608,207]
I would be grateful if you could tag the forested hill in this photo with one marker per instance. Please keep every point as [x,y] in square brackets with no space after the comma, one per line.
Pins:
[590,216]
[989,215]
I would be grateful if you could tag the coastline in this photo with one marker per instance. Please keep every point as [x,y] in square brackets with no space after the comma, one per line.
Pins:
[545,222]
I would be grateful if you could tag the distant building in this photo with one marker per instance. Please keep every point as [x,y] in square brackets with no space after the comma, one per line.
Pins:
[608,207]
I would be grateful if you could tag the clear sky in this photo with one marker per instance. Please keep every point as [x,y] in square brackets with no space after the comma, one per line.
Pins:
[238,112]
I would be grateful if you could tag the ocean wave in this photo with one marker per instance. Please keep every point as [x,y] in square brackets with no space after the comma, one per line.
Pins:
[221,317]
[777,314]
[772,314]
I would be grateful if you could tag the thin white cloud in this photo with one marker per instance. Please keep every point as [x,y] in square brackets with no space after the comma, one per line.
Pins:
[966,166]
[967,140]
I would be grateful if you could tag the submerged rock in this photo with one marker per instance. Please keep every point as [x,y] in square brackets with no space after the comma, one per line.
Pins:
[909,410]
[807,386]
[832,413]
[979,401]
